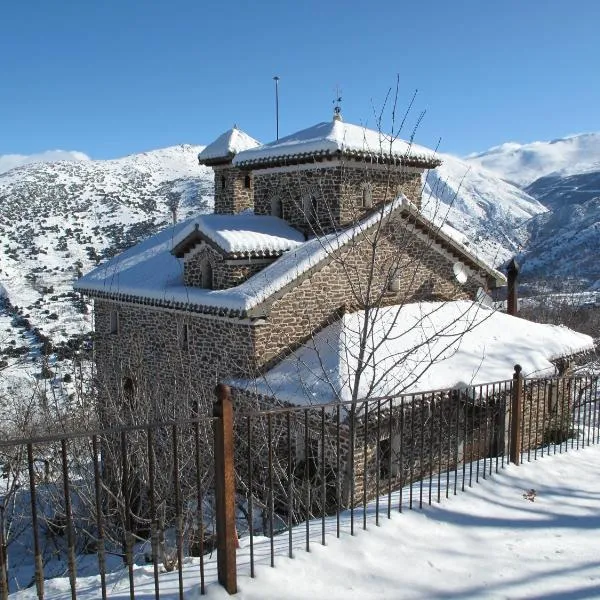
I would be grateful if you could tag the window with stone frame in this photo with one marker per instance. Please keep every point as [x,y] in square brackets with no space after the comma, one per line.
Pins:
[184,336]
[114,327]
[276,207]
[367,195]
[206,275]
[388,456]
[248,181]
[310,206]
[129,391]
[223,182]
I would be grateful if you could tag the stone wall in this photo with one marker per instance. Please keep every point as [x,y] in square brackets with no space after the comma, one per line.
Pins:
[225,274]
[232,195]
[174,359]
[337,193]
[340,286]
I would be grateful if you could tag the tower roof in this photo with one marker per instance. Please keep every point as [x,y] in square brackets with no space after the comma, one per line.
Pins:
[226,146]
[335,139]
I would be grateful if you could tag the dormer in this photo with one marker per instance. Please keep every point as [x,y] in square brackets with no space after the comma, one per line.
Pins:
[222,251]
[233,186]
[332,174]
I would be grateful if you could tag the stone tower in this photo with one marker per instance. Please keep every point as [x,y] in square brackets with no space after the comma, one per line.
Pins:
[233,185]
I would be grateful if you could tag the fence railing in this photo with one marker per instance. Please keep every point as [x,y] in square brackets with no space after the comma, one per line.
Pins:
[161,492]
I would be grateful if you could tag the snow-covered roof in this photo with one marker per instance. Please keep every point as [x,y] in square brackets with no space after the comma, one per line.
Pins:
[226,146]
[150,271]
[417,347]
[240,235]
[338,138]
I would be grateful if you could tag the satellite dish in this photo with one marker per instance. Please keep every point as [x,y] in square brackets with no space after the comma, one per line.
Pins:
[460,272]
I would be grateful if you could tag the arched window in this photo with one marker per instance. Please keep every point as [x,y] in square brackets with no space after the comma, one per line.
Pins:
[310,206]
[206,275]
[276,207]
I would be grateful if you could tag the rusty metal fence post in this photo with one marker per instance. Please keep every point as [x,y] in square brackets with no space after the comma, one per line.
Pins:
[225,488]
[516,416]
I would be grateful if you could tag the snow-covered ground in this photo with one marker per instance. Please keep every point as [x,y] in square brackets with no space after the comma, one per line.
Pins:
[528,532]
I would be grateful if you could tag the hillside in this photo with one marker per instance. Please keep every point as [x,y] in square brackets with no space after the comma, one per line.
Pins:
[564,175]
[59,219]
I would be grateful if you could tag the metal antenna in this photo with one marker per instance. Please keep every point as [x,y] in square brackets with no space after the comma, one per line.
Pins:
[276,79]
[337,108]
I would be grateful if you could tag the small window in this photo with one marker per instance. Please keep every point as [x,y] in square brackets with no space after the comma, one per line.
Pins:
[129,391]
[310,206]
[114,322]
[394,284]
[384,457]
[367,196]
[207,275]
[277,207]
[184,336]
[222,182]
[247,182]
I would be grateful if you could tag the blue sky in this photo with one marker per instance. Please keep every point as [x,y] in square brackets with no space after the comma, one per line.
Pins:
[110,77]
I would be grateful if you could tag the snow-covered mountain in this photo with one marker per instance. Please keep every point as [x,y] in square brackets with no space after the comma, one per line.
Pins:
[488,211]
[524,163]
[564,175]
[60,219]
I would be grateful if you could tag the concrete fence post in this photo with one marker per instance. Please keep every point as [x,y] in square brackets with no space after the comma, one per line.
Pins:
[516,416]
[225,488]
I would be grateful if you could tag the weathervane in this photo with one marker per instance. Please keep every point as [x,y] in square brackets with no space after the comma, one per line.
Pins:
[337,108]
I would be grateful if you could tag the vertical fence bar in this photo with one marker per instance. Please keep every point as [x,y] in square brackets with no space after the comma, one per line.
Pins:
[101,551]
[412,451]
[545,401]
[589,414]
[271,490]
[351,468]
[337,470]
[472,445]
[154,525]
[365,456]
[69,518]
[378,463]
[307,476]
[200,504]
[178,512]
[430,459]
[389,486]
[517,399]
[323,482]
[39,568]
[3,560]
[290,473]
[455,407]
[486,438]
[127,535]
[439,447]
[465,439]
[421,451]
[225,488]
[402,480]
[250,496]
[594,407]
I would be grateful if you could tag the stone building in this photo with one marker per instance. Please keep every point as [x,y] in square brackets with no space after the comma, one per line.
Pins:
[306,229]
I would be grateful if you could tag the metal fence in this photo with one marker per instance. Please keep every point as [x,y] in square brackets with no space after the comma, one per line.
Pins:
[158,493]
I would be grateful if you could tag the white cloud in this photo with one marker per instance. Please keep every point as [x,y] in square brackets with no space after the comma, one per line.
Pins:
[10,161]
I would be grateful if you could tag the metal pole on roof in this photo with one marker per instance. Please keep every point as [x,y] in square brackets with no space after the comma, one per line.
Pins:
[276,79]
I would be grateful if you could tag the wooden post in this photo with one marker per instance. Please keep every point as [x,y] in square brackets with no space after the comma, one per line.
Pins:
[225,488]
[512,304]
[516,408]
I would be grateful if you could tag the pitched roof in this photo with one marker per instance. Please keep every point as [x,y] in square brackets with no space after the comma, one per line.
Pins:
[150,274]
[226,146]
[415,348]
[336,138]
[240,235]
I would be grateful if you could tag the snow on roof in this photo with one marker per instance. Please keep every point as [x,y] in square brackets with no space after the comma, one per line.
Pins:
[336,136]
[417,347]
[244,233]
[228,145]
[150,271]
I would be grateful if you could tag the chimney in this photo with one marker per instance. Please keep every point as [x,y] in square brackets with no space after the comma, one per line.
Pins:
[512,302]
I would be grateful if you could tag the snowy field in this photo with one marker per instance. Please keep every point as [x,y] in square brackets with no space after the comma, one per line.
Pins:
[529,532]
